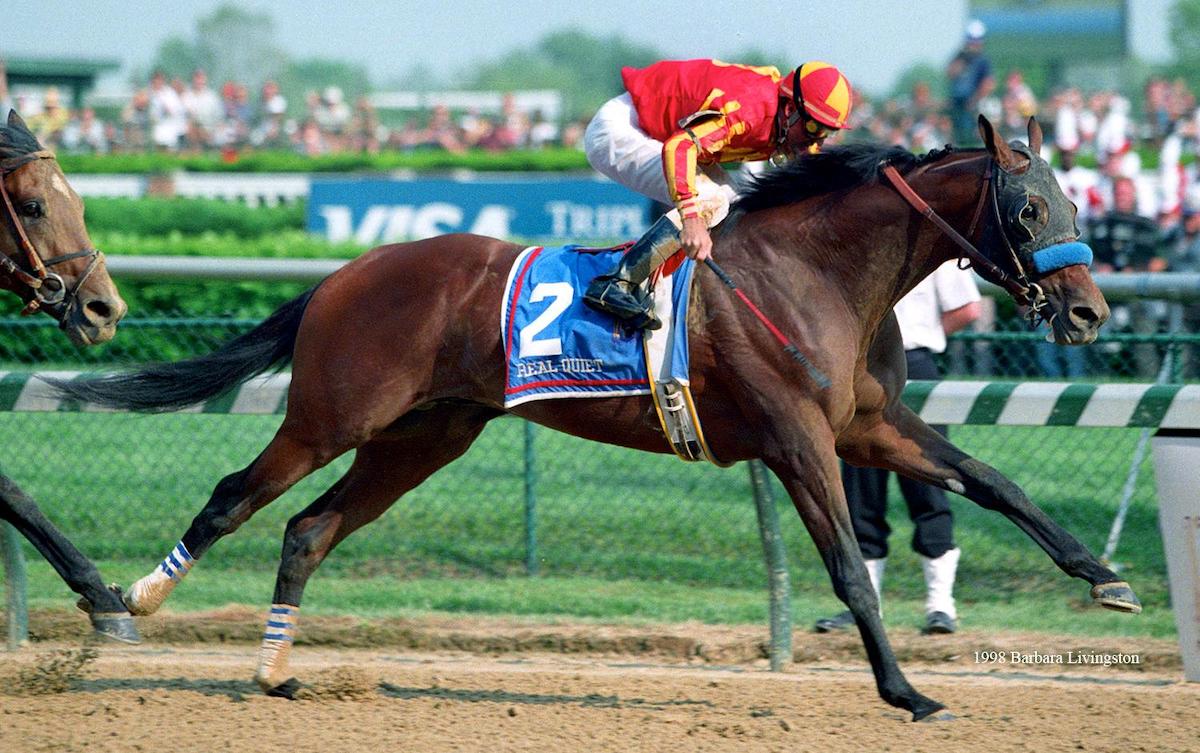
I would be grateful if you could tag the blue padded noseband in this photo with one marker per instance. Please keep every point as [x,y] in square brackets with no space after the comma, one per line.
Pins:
[1053,258]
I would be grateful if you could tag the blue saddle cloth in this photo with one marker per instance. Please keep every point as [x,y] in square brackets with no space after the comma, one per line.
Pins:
[557,346]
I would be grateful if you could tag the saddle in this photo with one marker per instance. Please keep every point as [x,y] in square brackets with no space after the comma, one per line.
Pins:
[557,347]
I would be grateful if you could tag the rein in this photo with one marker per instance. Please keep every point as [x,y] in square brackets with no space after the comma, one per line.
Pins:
[1023,290]
[49,292]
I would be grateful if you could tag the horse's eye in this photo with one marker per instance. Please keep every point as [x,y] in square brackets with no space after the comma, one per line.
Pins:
[31,208]
[1029,213]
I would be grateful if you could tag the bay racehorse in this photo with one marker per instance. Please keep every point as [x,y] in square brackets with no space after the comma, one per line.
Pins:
[48,260]
[398,356]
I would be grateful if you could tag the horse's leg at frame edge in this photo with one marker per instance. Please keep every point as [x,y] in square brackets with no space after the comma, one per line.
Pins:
[109,617]
[809,471]
[900,441]
[385,468]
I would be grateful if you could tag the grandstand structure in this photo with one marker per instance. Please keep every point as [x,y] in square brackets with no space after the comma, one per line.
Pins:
[74,75]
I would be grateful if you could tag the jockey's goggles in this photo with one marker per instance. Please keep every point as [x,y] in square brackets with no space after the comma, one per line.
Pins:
[815,129]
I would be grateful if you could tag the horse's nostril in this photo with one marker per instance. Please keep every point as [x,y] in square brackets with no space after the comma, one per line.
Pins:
[1085,315]
[100,311]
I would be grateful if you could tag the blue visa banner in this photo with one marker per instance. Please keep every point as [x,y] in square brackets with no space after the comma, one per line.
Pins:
[525,208]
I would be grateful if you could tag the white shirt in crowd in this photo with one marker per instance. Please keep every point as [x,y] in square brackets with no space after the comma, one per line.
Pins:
[920,312]
[167,117]
[1080,185]
[203,106]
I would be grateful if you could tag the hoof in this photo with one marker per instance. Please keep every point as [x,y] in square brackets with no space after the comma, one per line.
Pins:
[922,707]
[1117,596]
[115,626]
[287,689]
[939,623]
[838,622]
[945,717]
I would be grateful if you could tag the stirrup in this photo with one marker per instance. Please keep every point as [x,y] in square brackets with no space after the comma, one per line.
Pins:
[608,295]
[619,294]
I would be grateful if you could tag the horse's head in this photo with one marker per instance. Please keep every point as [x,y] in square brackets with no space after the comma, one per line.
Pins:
[1032,237]
[47,257]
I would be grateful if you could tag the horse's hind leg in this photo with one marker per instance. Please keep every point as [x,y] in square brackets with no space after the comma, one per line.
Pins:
[808,468]
[110,618]
[291,455]
[385,468]
[899,440]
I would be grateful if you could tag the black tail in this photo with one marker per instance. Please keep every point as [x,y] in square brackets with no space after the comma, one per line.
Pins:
[162,387]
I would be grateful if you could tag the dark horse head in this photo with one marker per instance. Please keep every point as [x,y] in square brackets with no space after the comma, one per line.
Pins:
[48,259]
[1004,213]
[1033,240]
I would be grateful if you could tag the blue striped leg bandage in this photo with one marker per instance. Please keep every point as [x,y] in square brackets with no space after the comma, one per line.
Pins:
[148,594]
[276,645]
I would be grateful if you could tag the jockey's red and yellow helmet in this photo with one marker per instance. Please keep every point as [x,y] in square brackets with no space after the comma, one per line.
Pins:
[821,90]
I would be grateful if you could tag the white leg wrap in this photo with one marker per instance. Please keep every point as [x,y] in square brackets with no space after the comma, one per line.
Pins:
[875,570]
[939,582]
[148,594]
[276,646]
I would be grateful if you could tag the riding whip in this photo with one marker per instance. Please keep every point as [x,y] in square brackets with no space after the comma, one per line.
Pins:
[814,373]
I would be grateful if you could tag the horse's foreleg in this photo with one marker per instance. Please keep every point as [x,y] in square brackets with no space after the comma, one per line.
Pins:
[109,616]
[809,472]
[286,460]
[900,441]
[385,468]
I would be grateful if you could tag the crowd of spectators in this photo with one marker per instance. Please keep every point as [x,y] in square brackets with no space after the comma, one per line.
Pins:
[170,115]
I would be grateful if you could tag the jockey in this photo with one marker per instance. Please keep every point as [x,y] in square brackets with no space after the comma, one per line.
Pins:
[666,136]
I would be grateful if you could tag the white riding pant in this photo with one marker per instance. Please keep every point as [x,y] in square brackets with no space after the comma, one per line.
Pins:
[619,149]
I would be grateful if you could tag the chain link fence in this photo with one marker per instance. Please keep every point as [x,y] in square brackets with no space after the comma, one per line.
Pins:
[526,499]
[1007,351]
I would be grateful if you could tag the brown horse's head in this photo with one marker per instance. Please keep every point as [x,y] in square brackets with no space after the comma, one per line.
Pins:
[1033,235]
[49,260]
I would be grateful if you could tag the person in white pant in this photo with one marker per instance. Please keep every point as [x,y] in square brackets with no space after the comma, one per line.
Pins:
[666,137]
[942,303]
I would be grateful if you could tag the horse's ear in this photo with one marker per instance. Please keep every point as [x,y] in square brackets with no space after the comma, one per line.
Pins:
[17,125]
[14,121]
[995,145]
[1035,136]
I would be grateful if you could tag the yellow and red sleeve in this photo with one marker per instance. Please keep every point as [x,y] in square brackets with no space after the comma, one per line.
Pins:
[682,152]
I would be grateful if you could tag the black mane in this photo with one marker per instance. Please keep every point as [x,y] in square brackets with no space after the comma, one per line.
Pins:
[835,168]
[16,141]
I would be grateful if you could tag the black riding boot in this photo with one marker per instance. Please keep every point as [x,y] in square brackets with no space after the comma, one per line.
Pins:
[618,292]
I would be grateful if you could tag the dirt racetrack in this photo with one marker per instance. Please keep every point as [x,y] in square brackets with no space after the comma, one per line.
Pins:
[493,685]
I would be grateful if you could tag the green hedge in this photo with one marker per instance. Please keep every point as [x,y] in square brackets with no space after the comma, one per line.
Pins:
[523,160]
[544,160]
[284,244]
[163,216]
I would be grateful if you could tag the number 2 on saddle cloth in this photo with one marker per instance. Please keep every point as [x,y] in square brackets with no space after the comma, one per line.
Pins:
[557,347]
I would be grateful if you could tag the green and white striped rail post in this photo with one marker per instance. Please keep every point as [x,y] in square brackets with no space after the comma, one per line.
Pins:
[16,589]
[1171,409]
[779,588]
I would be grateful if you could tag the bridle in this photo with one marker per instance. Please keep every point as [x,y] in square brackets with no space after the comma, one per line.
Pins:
[1023,290]
[47,290]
